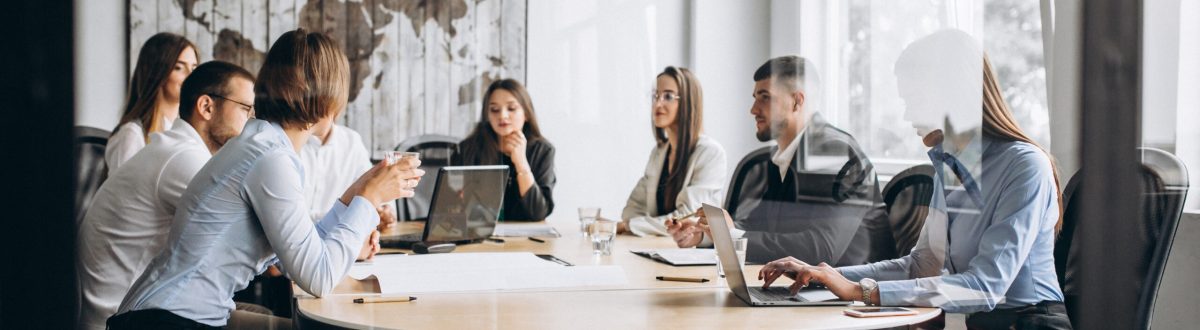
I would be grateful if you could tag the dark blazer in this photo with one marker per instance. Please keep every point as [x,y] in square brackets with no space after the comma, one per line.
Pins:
[816,209]
[538,201]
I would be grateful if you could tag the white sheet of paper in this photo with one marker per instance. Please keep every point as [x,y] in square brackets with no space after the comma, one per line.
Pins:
[457,272]
[685,257]
[525,230]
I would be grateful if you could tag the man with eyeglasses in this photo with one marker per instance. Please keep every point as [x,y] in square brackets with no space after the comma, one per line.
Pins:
[808,195]
[130,218]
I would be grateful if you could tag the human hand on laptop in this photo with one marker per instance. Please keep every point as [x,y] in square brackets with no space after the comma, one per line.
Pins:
[803,274]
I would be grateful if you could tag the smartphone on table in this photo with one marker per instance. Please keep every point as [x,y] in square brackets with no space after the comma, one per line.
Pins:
[879,311]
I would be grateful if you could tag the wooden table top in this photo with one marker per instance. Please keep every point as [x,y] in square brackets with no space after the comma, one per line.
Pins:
[643,302]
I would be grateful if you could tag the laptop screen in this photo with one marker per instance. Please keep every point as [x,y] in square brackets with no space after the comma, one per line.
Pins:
[466,203]
[723,244]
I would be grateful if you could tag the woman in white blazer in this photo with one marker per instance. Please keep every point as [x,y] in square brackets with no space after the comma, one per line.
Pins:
[686,168]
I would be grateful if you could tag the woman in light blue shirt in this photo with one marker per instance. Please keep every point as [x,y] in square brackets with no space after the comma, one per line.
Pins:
[245,210]
[987,247]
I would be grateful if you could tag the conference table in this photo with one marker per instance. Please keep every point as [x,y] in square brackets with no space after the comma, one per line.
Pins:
[642,302]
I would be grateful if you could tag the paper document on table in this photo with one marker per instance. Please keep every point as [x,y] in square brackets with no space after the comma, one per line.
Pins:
[680,257]
[456,272]
[525,230]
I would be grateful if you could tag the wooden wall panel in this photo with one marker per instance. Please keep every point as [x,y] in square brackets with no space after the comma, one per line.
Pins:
[417,67]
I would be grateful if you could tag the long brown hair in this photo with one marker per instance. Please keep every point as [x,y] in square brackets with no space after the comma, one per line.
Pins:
[304,78]
[482,145]
[155,62]
[999,124]
[689,123]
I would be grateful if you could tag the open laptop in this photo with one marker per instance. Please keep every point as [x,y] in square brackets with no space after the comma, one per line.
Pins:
[756,295]
[464,209]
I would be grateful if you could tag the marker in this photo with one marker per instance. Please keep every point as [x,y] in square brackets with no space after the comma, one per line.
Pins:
[371,300]
[682,279]
[535,239]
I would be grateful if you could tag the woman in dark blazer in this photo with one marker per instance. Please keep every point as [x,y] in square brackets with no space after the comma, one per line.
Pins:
[508,134]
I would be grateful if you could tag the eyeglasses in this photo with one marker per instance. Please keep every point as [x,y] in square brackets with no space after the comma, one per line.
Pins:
[247,107]
[667,97]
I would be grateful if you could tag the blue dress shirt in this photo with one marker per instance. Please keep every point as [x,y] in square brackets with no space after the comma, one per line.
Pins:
[971,257]
[244,211]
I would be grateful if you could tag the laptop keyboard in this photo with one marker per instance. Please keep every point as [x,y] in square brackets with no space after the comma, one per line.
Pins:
[775,293]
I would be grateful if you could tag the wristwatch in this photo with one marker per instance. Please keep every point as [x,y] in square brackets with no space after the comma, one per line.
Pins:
[868,288]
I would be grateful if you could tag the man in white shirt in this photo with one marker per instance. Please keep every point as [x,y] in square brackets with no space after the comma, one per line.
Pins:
[128,223]
[811,196]
[333,159]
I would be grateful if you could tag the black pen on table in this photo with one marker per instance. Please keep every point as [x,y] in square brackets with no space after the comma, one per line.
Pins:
[539,240]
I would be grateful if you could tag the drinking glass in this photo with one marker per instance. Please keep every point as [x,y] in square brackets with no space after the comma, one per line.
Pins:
[739,247]
[587,215]
[603,234]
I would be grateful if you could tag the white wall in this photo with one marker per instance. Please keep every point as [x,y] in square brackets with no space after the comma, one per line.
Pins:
[592,66]
[100,67]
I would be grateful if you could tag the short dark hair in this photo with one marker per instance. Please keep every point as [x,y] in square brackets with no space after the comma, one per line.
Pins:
[210,78]
[305,78]
[788,69]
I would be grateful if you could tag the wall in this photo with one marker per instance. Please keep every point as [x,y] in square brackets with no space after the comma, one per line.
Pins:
[99,62]
[592,68]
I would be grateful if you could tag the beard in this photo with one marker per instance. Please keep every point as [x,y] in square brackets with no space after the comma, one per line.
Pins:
[772,130]
[221,135]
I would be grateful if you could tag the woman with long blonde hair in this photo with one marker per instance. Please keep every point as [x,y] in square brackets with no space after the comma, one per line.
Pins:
[987,247]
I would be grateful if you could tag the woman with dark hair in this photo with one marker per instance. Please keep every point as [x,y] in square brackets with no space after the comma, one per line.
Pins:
[245,210]
[987,246]
[152,104]
[686,168]
[508,134]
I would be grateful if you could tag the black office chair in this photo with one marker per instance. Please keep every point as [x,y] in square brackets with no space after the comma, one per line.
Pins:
[906,198]
[739,176]
[436,152]
[1163,192]
[90,169]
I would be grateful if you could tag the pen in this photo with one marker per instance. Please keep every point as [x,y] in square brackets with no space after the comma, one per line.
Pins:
[369,300]
[682,279]
[497,240]
[535,239]
[676,220]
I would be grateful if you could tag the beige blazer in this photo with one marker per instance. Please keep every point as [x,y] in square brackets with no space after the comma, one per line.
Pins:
[704,183]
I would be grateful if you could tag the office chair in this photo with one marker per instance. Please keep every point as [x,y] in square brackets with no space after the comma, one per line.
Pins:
[90,169]
[734,194]
[907,198]
[436,152]
[1162,195]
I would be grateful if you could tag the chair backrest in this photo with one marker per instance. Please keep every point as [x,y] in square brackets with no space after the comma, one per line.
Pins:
[1163,206]
[1161,196]
[907,197]
[90,169]
[436,152]
[734,193]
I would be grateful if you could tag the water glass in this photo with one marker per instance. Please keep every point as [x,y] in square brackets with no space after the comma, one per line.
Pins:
[603,233]
[395,156]
[739,247]
[587,215]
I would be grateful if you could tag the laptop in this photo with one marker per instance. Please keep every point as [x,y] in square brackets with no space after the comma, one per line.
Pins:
[756,295]
[464,209]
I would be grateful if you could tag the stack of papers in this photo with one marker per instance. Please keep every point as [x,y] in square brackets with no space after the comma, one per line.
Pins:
[458,272]
[680,257]
[525,230]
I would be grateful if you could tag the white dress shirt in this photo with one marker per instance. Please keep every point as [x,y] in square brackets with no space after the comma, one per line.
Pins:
[126,142]
[704,182]
[127,223]
[332,167]
[783,156]
[245,211]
